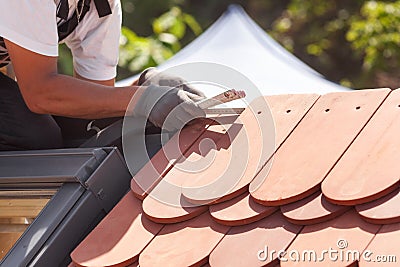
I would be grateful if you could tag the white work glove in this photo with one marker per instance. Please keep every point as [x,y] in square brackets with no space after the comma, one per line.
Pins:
[159,102]
[152,76]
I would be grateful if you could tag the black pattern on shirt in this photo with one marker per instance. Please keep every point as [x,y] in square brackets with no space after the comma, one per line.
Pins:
[4,56]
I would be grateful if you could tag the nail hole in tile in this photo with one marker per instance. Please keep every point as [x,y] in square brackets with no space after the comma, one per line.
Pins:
[288,111]
[358,107]
[259,112]
[327,110]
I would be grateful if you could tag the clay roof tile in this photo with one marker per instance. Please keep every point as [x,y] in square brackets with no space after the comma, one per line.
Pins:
[328,179]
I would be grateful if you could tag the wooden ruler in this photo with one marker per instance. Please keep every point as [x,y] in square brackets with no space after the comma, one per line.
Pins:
[224,97]
[224,110]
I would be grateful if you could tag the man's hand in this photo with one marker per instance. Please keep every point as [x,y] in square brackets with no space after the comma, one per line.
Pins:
[168,107]
[170,96]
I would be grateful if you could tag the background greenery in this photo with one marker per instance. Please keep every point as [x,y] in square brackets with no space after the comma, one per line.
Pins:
[355,43]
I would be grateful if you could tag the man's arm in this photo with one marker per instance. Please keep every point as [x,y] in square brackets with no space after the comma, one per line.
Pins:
[106,82]
[47,92]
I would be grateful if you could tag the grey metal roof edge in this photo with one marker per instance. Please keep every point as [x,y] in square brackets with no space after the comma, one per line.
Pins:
[110,178]
[72,212]
[102,194]
[90,166]
[87,160]
[85,215]
[62,151]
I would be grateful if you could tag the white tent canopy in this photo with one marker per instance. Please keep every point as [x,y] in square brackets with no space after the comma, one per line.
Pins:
[236,41]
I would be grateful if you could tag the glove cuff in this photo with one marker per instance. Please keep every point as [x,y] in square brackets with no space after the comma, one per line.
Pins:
[142,78]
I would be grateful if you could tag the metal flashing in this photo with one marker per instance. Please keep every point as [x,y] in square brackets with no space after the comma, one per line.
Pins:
[87,184]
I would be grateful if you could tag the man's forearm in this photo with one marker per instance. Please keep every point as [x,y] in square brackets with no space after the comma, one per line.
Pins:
[110,82]
[71,97]
[45,91]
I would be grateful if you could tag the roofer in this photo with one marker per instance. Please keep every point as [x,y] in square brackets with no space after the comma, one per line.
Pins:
[30,32]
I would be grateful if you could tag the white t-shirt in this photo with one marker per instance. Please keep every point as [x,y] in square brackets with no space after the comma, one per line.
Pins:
[94,43]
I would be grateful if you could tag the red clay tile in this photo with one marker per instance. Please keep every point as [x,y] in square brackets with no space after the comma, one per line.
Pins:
[385,210]
[384,248]
[119,237]
[345,233]
[165,203]
[369,169]
[184,244]
[278,264]
[242,244]
[316,144]
[135,264]
[239,211]
[160,212]
[233,168]
[154,170]
[287,111]
[301,163]
[311,210]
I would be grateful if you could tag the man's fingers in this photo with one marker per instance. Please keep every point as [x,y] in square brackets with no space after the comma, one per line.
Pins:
[182,115]
[194,97]
[191,89]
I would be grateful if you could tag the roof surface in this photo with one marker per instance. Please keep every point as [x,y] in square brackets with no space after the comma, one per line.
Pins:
[333,185]
[236,41]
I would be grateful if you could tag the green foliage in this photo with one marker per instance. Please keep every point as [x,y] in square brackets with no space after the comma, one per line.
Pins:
[298,15]
[356,43]
[315,32]
[375,35]
[65,64]
[352,42]
[138,53]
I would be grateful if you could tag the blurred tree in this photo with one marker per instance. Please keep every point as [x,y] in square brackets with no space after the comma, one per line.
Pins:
[137,53]
[138,15]
[315,31]
[65,65]
[375,36]
[356,43]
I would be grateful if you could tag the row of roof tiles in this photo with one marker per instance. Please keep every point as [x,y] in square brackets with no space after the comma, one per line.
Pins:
[325,178]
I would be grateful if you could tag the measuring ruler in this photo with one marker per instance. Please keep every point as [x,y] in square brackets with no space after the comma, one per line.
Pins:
[224,110]
[224,97]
